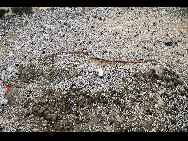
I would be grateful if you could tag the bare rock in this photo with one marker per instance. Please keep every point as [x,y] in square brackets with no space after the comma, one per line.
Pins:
[180,80]
[40,72]
[29,112]
[186,88]
[162,92]
[170,84]
[51,117]
[167,78]
[18,85]
[44,123]
[160,72]
[35,130]
[1,127]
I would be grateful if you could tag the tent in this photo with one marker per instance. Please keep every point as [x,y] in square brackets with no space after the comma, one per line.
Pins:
[100,72]
[3,101]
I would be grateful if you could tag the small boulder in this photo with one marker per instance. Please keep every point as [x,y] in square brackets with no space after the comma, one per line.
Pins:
[186,88]
[162,92]
[180,80]
[44,123]
[170,84]
[160,72]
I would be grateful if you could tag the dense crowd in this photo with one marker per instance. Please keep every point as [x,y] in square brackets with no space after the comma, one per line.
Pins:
[110,33]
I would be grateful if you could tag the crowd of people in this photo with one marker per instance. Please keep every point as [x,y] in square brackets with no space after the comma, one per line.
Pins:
[126,34]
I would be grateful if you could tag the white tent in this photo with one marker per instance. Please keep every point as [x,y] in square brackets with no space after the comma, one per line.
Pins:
[3,101]
[100,71]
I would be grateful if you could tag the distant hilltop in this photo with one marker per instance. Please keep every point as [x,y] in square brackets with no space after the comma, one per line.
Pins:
[10,10]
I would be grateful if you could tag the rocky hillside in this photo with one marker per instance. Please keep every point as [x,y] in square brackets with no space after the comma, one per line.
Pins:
[154,99]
